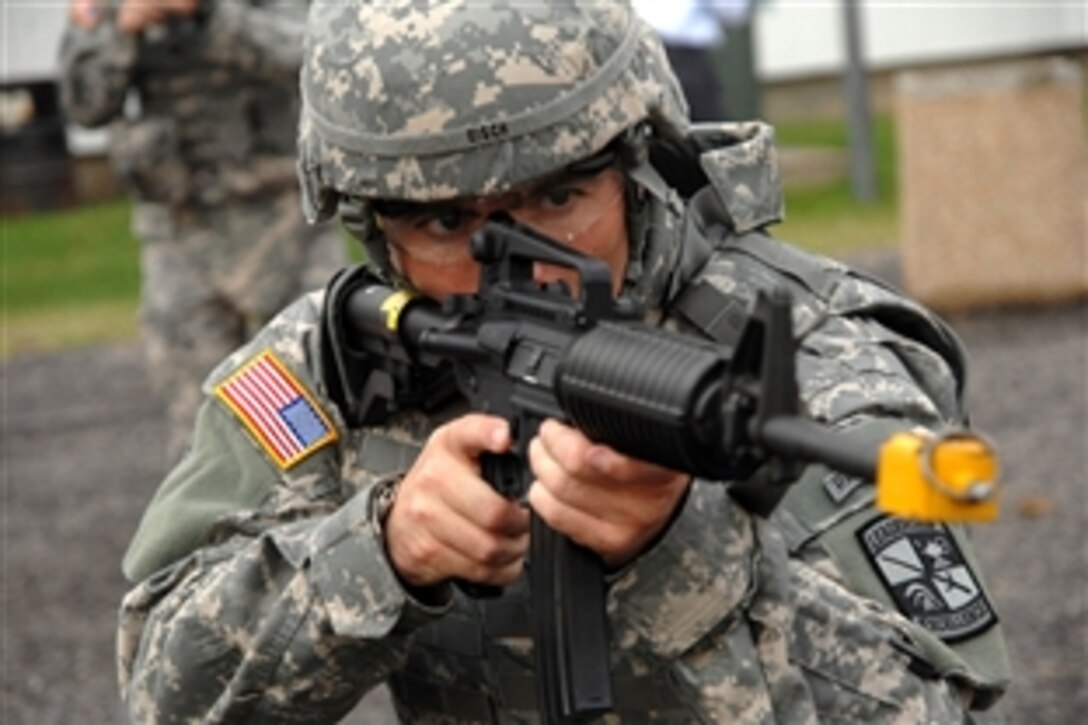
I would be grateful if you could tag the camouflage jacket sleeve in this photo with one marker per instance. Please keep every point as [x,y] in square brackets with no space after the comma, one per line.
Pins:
[261,40]
[265,595]
[96,70]
[746,633]
[98,65]
[723,588]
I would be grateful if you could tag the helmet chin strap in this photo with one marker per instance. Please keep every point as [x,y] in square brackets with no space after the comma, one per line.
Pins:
[359,219]
[319,202]
[655,216]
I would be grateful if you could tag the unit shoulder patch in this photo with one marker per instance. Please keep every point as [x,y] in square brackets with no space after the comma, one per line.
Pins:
[928,577]
[277,410]
[839,486]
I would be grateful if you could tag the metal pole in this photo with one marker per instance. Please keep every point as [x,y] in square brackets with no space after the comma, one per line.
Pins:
[855,86]
[737,59]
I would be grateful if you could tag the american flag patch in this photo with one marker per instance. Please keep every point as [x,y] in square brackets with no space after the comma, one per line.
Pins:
[276,409]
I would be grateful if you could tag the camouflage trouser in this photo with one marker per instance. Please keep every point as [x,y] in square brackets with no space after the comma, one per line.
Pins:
[213,277]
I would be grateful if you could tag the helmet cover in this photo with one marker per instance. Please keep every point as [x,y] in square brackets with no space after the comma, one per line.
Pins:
[427,100]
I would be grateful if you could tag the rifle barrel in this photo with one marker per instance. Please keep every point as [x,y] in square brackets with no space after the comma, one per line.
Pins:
[800,438]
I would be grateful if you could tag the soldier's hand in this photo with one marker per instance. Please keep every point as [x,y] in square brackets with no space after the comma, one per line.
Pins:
[446,521]
[605,501]
[85,13]
[137,15]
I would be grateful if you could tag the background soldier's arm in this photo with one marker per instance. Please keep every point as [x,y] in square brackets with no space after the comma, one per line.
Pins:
[265,41]
[97,62]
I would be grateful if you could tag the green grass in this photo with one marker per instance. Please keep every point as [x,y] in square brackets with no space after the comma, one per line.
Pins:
[75,257]
[68,278]
[72,278]
[828,218]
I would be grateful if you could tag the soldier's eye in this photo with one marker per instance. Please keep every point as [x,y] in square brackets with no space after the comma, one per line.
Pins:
[558,197]
[446,222]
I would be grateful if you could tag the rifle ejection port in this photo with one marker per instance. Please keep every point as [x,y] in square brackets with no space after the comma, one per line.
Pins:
[530,363]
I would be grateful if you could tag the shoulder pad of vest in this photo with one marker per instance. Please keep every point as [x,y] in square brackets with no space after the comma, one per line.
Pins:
[291,333]
[834,288]
[741,163]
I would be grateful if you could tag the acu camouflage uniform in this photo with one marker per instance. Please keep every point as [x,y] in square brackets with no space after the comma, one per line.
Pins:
[265,593]
[203,113]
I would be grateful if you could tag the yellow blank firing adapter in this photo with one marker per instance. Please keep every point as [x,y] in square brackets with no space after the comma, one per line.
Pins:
[949,476]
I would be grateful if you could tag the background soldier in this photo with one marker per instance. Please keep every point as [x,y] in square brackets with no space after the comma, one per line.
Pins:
[692,32]
[203,100]
[281,574]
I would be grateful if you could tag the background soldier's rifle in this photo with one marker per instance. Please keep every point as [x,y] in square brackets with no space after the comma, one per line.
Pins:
[527,352]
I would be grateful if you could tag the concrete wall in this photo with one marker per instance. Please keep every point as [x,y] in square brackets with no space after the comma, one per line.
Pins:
[994,182]
[30,33]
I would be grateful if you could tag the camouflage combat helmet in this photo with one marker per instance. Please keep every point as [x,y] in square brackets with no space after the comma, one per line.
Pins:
[427,100]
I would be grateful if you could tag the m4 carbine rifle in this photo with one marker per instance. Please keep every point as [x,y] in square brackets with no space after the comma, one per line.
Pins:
[528,352]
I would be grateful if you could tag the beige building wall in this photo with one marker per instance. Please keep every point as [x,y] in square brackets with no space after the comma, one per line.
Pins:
[993,179]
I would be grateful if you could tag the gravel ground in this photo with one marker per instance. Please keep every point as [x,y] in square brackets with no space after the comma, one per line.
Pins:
[80,444]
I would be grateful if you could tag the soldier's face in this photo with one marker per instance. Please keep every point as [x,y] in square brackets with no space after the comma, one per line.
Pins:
[429,244]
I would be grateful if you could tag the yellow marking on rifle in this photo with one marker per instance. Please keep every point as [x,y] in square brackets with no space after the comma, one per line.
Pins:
[948,477]
[392,307]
